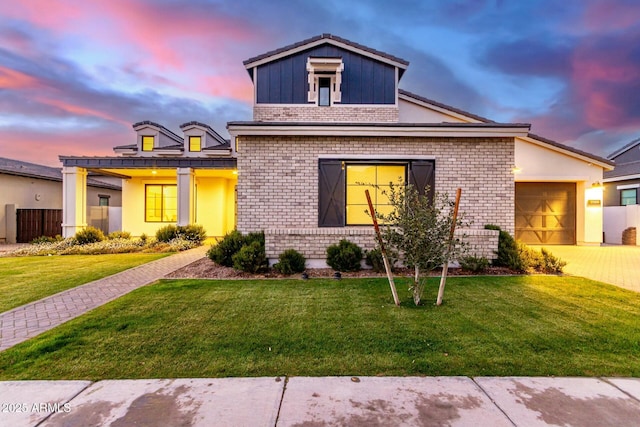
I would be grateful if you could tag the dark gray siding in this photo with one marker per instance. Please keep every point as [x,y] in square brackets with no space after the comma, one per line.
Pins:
[364,80]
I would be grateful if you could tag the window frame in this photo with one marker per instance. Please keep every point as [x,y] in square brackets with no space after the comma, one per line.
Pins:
[324,84]
[162,201]
[103,197]
[404,164]
[144,146]
[192,137]
[622,196]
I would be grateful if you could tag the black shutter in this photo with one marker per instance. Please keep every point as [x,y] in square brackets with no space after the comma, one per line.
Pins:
[422,176]
[331,197]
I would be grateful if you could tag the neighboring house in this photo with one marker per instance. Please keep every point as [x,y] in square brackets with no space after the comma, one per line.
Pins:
[31,200]
[621,196]
[328,114]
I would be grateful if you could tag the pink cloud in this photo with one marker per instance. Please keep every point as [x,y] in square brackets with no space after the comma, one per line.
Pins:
[12,79]
[606,15]
[79,110]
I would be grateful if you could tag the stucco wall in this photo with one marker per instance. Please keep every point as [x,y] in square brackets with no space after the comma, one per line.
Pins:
[278,178]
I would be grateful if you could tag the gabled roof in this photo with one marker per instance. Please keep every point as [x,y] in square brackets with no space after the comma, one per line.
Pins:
[624,149]
[444,106]
[606,163]
[33,170]
[326,39]
[208,129]
[628,170]
[161,128]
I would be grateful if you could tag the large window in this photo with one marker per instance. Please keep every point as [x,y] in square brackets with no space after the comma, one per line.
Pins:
[195,143]
[161,201]
[376,179]
[629,197]
[147,143]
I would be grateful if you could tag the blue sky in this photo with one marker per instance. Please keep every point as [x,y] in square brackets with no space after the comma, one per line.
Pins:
[74,75]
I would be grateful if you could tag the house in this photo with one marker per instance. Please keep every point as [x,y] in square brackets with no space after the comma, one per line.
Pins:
[621,208]
[31,200]
[328,114]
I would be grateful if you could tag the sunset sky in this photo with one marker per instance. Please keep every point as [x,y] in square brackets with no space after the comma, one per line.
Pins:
[75,75]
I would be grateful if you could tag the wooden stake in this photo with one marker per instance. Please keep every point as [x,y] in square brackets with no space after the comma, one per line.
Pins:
[445,267]
[387,267]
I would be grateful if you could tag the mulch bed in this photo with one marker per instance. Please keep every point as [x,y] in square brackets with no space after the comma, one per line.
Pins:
[207,269]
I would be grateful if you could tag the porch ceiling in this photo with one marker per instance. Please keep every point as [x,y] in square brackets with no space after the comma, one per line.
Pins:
[170,173]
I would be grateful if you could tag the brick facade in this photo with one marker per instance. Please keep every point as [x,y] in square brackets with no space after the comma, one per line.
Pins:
[278,185]
[337,113]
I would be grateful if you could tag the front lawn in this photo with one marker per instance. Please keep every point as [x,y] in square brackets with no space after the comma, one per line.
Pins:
[527,325]
[28,279]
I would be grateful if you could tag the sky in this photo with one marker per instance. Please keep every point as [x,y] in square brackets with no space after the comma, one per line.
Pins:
[76,74]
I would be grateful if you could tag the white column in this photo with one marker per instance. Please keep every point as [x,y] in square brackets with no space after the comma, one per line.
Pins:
[74,200]
[186,196]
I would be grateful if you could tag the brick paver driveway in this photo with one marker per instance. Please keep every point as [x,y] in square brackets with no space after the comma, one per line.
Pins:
[615,264]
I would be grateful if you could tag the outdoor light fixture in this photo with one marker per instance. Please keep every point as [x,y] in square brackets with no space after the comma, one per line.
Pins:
[153,172]
[516,170]
[597,184]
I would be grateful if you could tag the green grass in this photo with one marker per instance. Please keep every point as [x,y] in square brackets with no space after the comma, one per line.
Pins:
[529,325]
[27,279]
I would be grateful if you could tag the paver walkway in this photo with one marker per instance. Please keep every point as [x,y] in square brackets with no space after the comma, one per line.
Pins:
[32,319]
[614,264]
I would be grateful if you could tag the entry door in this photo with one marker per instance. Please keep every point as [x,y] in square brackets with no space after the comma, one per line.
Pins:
[546,213]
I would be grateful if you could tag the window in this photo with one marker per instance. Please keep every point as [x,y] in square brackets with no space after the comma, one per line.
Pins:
[195,143]
[324,92]
[103,200]
[628,197]
[341,198]
[161,203]
[147,143]
[378,176]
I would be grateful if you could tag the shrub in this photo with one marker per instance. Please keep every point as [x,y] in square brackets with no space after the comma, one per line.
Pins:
[143,238]
[474,264]
[345,256]
[255,236]
[47,239]
[192,232]
[507,254]
[167,233]
[89,235]
[222,253]
[550,263]
[119,235]
[290,262]
[251,258]
[373,258]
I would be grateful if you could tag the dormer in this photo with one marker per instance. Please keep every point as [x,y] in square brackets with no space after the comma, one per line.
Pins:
[201,140]
[152,140]
[326,79]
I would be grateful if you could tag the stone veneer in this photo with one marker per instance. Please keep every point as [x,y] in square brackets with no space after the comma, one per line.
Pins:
[278,185]
[337,113]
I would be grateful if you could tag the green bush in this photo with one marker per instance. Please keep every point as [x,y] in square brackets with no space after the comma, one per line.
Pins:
[373,258]
[89,235]
[550,263]
[508,254]
[119,235]
[251,258]
[290,262]
[143,238]
[255,236]
[474,264]
[345,256]
[47,239]
[222,253]
[192,233]
[167,233]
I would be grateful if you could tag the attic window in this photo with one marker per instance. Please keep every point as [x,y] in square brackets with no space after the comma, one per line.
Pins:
[325,79]
[147,143]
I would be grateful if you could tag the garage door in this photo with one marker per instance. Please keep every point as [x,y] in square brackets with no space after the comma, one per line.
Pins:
[546,213]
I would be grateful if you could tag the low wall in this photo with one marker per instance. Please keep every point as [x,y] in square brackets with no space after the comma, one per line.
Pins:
[313,242]
[617,219]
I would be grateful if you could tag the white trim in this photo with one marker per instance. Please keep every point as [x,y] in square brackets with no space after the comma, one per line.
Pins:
[622,178]
[374,157]
[319,42]
[378,131]
[550,178]
[569,153]
[627,187]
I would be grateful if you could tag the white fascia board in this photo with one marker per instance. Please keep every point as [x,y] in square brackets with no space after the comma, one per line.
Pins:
[375,157]
[218,153]
[569,153]
[621,178]
[323,41]
[374,131]
[550,178]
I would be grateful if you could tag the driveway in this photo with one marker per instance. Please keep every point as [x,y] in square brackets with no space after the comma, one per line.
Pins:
[615,264]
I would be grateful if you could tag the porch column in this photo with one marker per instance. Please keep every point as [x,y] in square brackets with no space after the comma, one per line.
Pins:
[186,196]
[74,200]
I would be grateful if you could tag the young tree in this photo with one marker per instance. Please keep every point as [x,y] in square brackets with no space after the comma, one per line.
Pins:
[419,228]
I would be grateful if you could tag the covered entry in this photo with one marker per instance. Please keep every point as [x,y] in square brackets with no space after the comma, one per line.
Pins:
[546,213]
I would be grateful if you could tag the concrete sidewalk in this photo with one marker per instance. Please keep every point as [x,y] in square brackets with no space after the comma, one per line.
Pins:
[32,319]
[325,401]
